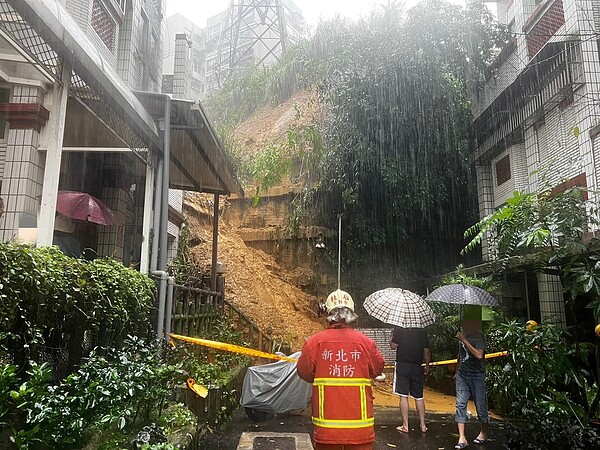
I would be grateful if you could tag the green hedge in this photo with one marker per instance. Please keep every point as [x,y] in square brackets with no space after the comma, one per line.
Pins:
[55,307]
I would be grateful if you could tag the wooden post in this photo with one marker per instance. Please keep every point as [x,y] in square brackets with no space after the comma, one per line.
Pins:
[215,245]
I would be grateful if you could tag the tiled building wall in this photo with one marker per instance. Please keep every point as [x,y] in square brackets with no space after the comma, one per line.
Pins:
[547,25]
[132,50]
[503,77]
[560,137]
[128,42]
[381,337]
[518,174]
[172,241]
[579,17]
[23,171]
[560,148]
[140,65]
[182,70]
[176,199]
[485,190]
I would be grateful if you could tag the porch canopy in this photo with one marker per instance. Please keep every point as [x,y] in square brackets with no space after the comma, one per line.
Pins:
[197,160]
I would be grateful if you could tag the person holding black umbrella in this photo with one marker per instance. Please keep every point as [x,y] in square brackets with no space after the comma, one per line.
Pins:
[470,374]
[470,379]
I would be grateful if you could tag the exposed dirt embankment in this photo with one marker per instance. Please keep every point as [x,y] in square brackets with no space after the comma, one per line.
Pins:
[254,281]
[271,125]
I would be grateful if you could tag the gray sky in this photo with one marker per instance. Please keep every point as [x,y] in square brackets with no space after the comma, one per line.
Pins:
[199,10]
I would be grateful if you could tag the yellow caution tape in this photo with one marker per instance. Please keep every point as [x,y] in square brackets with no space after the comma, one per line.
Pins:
[199,389]
[260,354]
[232,348]
[454,361]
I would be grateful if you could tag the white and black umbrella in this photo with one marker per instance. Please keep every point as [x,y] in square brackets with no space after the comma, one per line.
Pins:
[399,307]
[462,294]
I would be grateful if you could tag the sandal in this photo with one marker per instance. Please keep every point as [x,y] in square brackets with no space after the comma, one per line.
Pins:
[461,445]
[479,441]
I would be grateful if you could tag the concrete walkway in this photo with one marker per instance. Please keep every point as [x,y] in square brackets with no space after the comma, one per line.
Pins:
[441,434]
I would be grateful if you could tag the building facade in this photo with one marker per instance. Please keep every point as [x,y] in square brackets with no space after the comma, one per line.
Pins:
[82,111]
[246,34]
[537,113]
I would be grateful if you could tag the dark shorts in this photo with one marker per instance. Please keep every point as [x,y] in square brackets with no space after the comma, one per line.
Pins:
[408,380]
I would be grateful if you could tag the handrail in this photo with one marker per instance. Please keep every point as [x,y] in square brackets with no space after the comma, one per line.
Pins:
[198,290]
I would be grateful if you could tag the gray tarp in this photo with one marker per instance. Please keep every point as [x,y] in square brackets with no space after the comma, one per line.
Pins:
[275,387]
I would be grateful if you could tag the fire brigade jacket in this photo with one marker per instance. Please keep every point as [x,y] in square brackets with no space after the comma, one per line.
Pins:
[340,363]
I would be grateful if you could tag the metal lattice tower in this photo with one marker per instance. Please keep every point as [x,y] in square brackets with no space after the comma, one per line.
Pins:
[255,33]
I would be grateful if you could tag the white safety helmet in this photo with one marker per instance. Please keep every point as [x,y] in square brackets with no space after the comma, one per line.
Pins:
[338,299]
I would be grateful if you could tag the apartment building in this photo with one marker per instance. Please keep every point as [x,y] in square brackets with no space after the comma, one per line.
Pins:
[248,33]
[80,84]
[537,114]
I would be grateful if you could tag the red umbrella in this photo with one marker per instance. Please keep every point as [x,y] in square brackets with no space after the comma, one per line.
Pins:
[83,206]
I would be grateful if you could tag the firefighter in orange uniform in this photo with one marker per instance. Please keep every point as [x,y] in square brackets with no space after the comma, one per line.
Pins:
[340,363]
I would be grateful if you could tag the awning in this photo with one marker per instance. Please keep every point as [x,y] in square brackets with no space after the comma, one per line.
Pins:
[198,161]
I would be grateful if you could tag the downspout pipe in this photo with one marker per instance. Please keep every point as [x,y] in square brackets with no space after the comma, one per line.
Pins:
[164,214]
[169,308]
[156,225]
[162,294]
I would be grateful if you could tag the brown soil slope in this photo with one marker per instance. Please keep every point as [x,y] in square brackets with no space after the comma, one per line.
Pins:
[271,125]
[254,281]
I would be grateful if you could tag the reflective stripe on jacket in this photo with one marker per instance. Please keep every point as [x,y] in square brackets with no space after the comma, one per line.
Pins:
[340,362]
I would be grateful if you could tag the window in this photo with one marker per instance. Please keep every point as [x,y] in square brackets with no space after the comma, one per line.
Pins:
[103,24]
[503,170]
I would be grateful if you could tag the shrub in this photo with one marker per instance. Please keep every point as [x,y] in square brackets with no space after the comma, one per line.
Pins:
[544,386]
[112,388]
[51,301]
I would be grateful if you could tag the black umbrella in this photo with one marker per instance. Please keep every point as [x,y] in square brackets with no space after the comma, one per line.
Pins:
[462,294]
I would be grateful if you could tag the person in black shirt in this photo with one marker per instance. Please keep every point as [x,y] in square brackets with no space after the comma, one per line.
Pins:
[412,350]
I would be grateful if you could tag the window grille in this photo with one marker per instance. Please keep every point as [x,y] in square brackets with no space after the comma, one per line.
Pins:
[103,24]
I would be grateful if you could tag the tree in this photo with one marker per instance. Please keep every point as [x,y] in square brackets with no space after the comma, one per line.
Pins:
[397,128]
[547,231]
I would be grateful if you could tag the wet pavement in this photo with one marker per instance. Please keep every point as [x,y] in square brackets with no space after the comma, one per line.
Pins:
[441,434]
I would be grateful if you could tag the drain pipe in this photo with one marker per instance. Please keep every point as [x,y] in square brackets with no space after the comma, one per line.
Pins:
[162,291]
[164,213]
[158,188]
[170,288]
